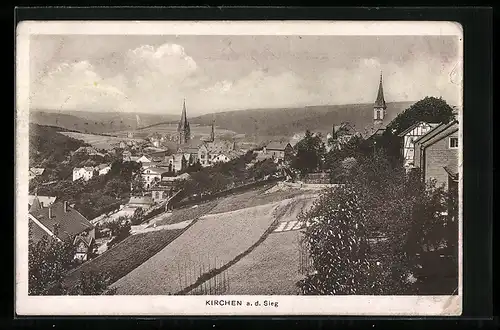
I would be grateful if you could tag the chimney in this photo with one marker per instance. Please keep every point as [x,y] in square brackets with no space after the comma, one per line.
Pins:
[65,206]
[50,211]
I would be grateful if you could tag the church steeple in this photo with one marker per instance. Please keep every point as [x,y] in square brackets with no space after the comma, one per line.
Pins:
[183,129]
[379,106]
[212,133]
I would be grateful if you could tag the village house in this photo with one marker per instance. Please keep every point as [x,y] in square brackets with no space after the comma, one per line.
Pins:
[153,175]
[83,172]
[408,136]
[143,202]
[89,151]
[437,151]
[35,171]
[103,169]
[208,151]
[63,223]
[280,152]
[178,162]
[160,193]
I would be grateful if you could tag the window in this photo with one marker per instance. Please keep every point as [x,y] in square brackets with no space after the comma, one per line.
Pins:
[378,114]
[453,143]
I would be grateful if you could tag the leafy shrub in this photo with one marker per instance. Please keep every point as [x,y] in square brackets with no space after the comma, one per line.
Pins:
[379,199]
[337,241]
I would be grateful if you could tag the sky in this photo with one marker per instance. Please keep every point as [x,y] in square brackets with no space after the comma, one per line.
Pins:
[154,74]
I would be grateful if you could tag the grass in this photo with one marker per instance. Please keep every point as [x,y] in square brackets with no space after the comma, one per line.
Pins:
[211,242]
[125,256]
[187,213]
[271,269]
[253,198]
[97,141]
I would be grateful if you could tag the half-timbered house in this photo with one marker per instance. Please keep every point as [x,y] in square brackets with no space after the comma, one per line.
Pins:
[408,136]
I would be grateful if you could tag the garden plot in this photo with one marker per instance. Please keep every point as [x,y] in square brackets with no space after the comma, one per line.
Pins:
[209,243]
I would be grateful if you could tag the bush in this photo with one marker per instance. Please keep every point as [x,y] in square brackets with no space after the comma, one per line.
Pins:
[337,242]
[91,284]
[379,199]
[48,260]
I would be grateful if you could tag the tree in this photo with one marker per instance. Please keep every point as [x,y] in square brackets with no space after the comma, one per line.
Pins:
[48,260]
[263,168]
[337,242]
[429,109]
[138,216]
[387,203]
[309,153]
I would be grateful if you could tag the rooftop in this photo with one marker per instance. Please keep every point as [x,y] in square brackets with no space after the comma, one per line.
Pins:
[140,200]
[277,145]
[44,200]
[71,222]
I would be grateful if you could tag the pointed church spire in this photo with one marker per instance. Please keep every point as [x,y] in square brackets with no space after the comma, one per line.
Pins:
[380,102]
[212,133]
[183,128]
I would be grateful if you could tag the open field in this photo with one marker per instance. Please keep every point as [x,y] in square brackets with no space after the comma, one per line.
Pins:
[185,214]
[211,242]
[98,141]
[197,131]
[125,256]
[272,268]
[255,198]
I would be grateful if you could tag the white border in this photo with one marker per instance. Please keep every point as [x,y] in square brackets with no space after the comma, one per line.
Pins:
[195,305]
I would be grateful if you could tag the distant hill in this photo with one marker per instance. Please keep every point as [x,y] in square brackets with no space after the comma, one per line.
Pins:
[46,143]
[288,121]
[95,122]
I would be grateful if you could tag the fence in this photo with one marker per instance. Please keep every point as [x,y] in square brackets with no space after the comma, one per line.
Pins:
[306,265]
[207,276]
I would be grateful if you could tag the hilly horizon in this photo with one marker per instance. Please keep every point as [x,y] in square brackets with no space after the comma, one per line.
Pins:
[289,121]
[251,122]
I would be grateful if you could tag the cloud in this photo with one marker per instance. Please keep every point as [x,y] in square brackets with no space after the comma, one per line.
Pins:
[157,78]
[77,85]
[420,77]
[256,90]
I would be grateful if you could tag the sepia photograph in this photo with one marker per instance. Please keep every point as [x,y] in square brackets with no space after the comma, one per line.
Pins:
[211,168]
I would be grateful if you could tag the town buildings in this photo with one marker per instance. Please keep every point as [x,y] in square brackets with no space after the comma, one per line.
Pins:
[436,154]
[43,200]
[64,223]
[152,175]
[279,151]
[85,173]
[408,137]
[35,171]
[103,169]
